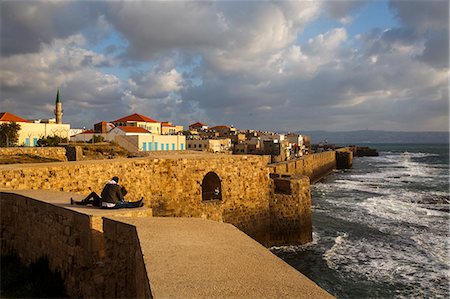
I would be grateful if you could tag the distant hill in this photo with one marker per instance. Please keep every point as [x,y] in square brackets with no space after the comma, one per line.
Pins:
[369,136]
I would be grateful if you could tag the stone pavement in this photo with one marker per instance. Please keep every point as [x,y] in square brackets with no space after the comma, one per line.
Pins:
[199,258]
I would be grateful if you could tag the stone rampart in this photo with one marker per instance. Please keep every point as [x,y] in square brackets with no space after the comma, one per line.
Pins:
[290,210]
[95,261]
[315,166]
[110,254]
[127,274]
[57,153]
[344,158]
[172,186]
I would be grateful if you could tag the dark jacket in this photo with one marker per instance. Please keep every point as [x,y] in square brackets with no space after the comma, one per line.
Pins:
[112,193]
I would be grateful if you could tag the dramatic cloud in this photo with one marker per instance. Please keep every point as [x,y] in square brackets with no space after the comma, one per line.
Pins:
[26,25]
[241,63]
[32,80]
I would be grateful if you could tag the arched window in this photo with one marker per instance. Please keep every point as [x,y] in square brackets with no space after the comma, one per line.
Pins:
[211,187]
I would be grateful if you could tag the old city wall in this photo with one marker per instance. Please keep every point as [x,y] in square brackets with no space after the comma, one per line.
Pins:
[172,186]
[290,210]
[57,153]
[89,268]
[315,166]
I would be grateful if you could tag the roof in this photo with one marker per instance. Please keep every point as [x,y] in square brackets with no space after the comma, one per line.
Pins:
[167,124]
[197,124]
[130,129]
[9,117]
[135,117]
[219,127]
[88,132]
[58,100]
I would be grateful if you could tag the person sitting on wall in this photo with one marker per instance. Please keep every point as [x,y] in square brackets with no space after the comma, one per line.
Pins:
[112,197]
[94,199]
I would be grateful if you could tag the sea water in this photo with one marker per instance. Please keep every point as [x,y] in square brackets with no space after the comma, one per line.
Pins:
[381,229]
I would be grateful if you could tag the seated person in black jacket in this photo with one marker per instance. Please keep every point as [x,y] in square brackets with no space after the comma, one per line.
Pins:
[112,197]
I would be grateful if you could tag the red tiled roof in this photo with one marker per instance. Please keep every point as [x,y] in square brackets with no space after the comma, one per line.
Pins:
[167,124]
[130,129]
[197,124]
[6,116]
[88,132]
[135,117]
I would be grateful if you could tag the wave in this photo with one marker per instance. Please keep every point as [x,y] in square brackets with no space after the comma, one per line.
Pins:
[386,262]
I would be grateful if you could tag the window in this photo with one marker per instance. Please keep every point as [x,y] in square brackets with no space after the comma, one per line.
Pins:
[189,145]
[156,146]
[35,141]
[144,146]
[182,146]
[27,141]
[211,187]
[173,146]
[150,146]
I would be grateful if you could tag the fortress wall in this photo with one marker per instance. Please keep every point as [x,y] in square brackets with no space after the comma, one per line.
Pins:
[315,166]
[290,211]
[170,185]
[34,229]
[58,153]
[93,263]
[126,276]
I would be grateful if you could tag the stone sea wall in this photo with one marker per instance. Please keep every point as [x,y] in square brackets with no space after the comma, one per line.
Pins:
[290,211]
[172,186]
[315,166]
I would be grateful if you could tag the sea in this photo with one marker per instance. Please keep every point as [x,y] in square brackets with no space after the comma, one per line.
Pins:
[381,229]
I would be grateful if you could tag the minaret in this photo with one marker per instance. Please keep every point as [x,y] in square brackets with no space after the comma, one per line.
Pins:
[58,110]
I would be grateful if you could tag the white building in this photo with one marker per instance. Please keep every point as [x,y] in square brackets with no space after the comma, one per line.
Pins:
[211,145]
[31,131]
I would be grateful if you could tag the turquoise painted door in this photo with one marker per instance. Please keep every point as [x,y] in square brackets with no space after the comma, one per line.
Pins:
[156,146]
[35,141]
[27,141]
[173,146]
[144,146]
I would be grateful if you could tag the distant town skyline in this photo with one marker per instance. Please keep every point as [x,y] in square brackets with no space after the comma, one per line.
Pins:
[276,66]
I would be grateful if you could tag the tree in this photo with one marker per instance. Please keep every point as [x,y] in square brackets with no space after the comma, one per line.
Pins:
[9,134]
[51,141]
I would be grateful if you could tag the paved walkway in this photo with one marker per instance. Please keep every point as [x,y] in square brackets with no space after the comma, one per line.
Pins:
[198,258]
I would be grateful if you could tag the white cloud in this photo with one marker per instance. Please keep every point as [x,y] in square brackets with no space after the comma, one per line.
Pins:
[233,62]
[156,83]
[32,81]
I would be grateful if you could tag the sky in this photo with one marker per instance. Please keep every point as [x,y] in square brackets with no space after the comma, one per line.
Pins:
[266,65]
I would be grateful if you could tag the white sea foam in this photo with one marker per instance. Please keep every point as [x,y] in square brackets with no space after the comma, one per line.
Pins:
[384,262]
[297,248]
[394,195]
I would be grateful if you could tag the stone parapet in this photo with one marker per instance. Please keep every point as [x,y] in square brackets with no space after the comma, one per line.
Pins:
[344,158]
[143,257]
[95,259]
[171,185]
[290,211]
[315,166]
